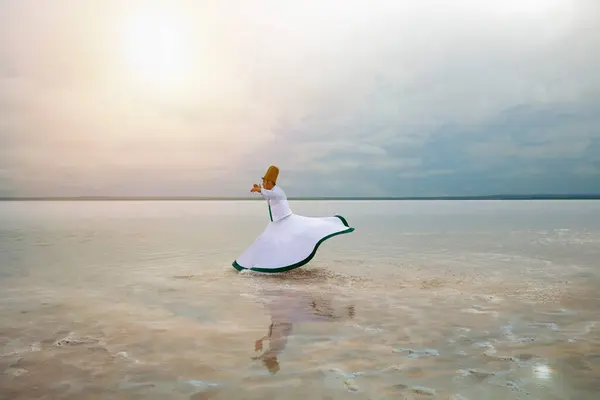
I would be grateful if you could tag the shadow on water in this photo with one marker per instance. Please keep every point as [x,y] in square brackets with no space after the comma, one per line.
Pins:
[288,308]
[304,275]
[298,274]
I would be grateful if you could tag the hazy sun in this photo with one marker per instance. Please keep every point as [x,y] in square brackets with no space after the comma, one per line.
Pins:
[155,49]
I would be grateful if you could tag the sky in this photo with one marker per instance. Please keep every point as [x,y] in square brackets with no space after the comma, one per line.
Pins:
[348,98]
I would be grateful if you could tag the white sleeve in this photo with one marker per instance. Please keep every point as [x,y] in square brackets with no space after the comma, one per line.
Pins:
[270,194]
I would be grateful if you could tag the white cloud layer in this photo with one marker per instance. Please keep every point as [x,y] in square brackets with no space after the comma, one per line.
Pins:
[388,97]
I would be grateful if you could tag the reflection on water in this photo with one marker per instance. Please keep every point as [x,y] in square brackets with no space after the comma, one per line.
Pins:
[542,371]
[138,300]
[287,308]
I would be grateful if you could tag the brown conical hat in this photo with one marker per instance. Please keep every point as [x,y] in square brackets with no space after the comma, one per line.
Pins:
[272,174]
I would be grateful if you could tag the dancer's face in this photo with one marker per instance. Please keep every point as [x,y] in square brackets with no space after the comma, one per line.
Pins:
[268,184]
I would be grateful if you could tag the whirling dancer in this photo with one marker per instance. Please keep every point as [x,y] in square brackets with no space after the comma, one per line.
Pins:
[290,240]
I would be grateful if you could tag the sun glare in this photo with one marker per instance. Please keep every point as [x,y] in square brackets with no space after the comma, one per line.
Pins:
[155,49]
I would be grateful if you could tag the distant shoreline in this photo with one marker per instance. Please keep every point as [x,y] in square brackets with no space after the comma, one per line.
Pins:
[209,198]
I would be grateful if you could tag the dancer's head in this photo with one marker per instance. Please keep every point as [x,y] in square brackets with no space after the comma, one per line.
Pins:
[270,179]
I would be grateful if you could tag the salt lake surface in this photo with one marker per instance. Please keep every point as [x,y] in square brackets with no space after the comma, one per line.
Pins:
[426,299]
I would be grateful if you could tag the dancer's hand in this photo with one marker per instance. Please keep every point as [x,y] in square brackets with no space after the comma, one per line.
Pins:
[258,345]
[255,188]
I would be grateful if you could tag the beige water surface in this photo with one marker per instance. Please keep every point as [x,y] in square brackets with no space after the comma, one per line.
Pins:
[432,300]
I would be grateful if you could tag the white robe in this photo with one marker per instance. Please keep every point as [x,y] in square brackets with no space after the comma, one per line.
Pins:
[290,240]
[279,208]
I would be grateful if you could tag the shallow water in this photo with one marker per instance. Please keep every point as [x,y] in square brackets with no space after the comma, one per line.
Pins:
[433,299]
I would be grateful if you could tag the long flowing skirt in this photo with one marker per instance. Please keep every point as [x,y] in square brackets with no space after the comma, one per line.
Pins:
[290,243]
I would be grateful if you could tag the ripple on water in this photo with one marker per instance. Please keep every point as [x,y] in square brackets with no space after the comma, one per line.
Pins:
[411,353]
[422,391]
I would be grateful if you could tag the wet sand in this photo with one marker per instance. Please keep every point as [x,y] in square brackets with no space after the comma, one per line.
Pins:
[143,307]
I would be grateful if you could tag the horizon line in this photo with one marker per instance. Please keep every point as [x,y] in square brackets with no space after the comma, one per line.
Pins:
[313,198]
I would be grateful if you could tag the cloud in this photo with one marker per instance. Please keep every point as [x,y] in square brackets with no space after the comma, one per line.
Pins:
[393,98]
[532,136]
